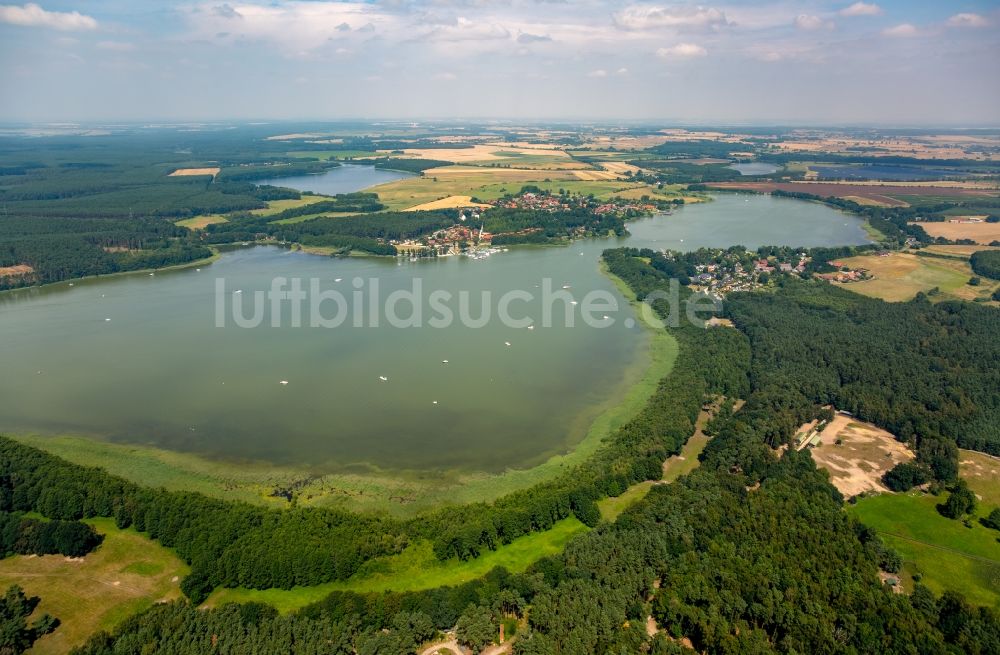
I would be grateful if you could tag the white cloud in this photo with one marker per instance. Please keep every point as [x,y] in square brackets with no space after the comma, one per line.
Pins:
[682,51]
[464,29]
[600,72]
[902,30]
[622,71]
[647,17]
[526,37]
[446,77]
[861,9]
[31,15]
[968,20]
[809,23]
[116,46]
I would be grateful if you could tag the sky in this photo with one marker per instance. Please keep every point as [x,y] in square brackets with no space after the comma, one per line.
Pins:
[818,62]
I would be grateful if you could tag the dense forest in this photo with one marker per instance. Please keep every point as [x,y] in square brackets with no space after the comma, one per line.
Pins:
[369,233]
[986,263]
[512,226]
[71,211]
[926,372]
[64,248]
[21,535]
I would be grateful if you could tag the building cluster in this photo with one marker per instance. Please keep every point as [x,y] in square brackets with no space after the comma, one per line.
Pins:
[730,272]
[846,274]
[565,202]
[460,238]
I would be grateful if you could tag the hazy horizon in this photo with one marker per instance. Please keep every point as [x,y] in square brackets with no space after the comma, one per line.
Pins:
[815,63]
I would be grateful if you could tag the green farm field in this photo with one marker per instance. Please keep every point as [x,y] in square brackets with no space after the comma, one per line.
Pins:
[944,552]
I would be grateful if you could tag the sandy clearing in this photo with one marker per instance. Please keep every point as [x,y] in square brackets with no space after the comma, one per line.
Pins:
[449,647]
[185,172]
[451,202]
[865,453]
[14,271]
[984,233]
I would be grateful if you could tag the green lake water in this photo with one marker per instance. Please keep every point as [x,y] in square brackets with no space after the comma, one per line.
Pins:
[161,372]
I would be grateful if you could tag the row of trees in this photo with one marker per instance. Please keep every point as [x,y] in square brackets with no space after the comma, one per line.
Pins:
[986,263]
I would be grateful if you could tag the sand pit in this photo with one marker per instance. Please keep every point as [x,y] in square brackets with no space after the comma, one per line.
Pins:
[16,271]
[862,457]
[187,172]
[451,202]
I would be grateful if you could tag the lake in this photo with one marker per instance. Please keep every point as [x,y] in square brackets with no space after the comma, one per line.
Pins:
[754,168]
[346,178]
[160,372]
[888,172]
[750,220]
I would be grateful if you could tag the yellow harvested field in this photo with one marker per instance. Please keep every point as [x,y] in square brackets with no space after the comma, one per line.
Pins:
[865,453]
[183,172]
[490,175]
[619,167]
[900,276]
[984,232]
[201,222]
[592,176]
[276,206]
[867,202]
[450,202]
[124,576]
[957,251]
